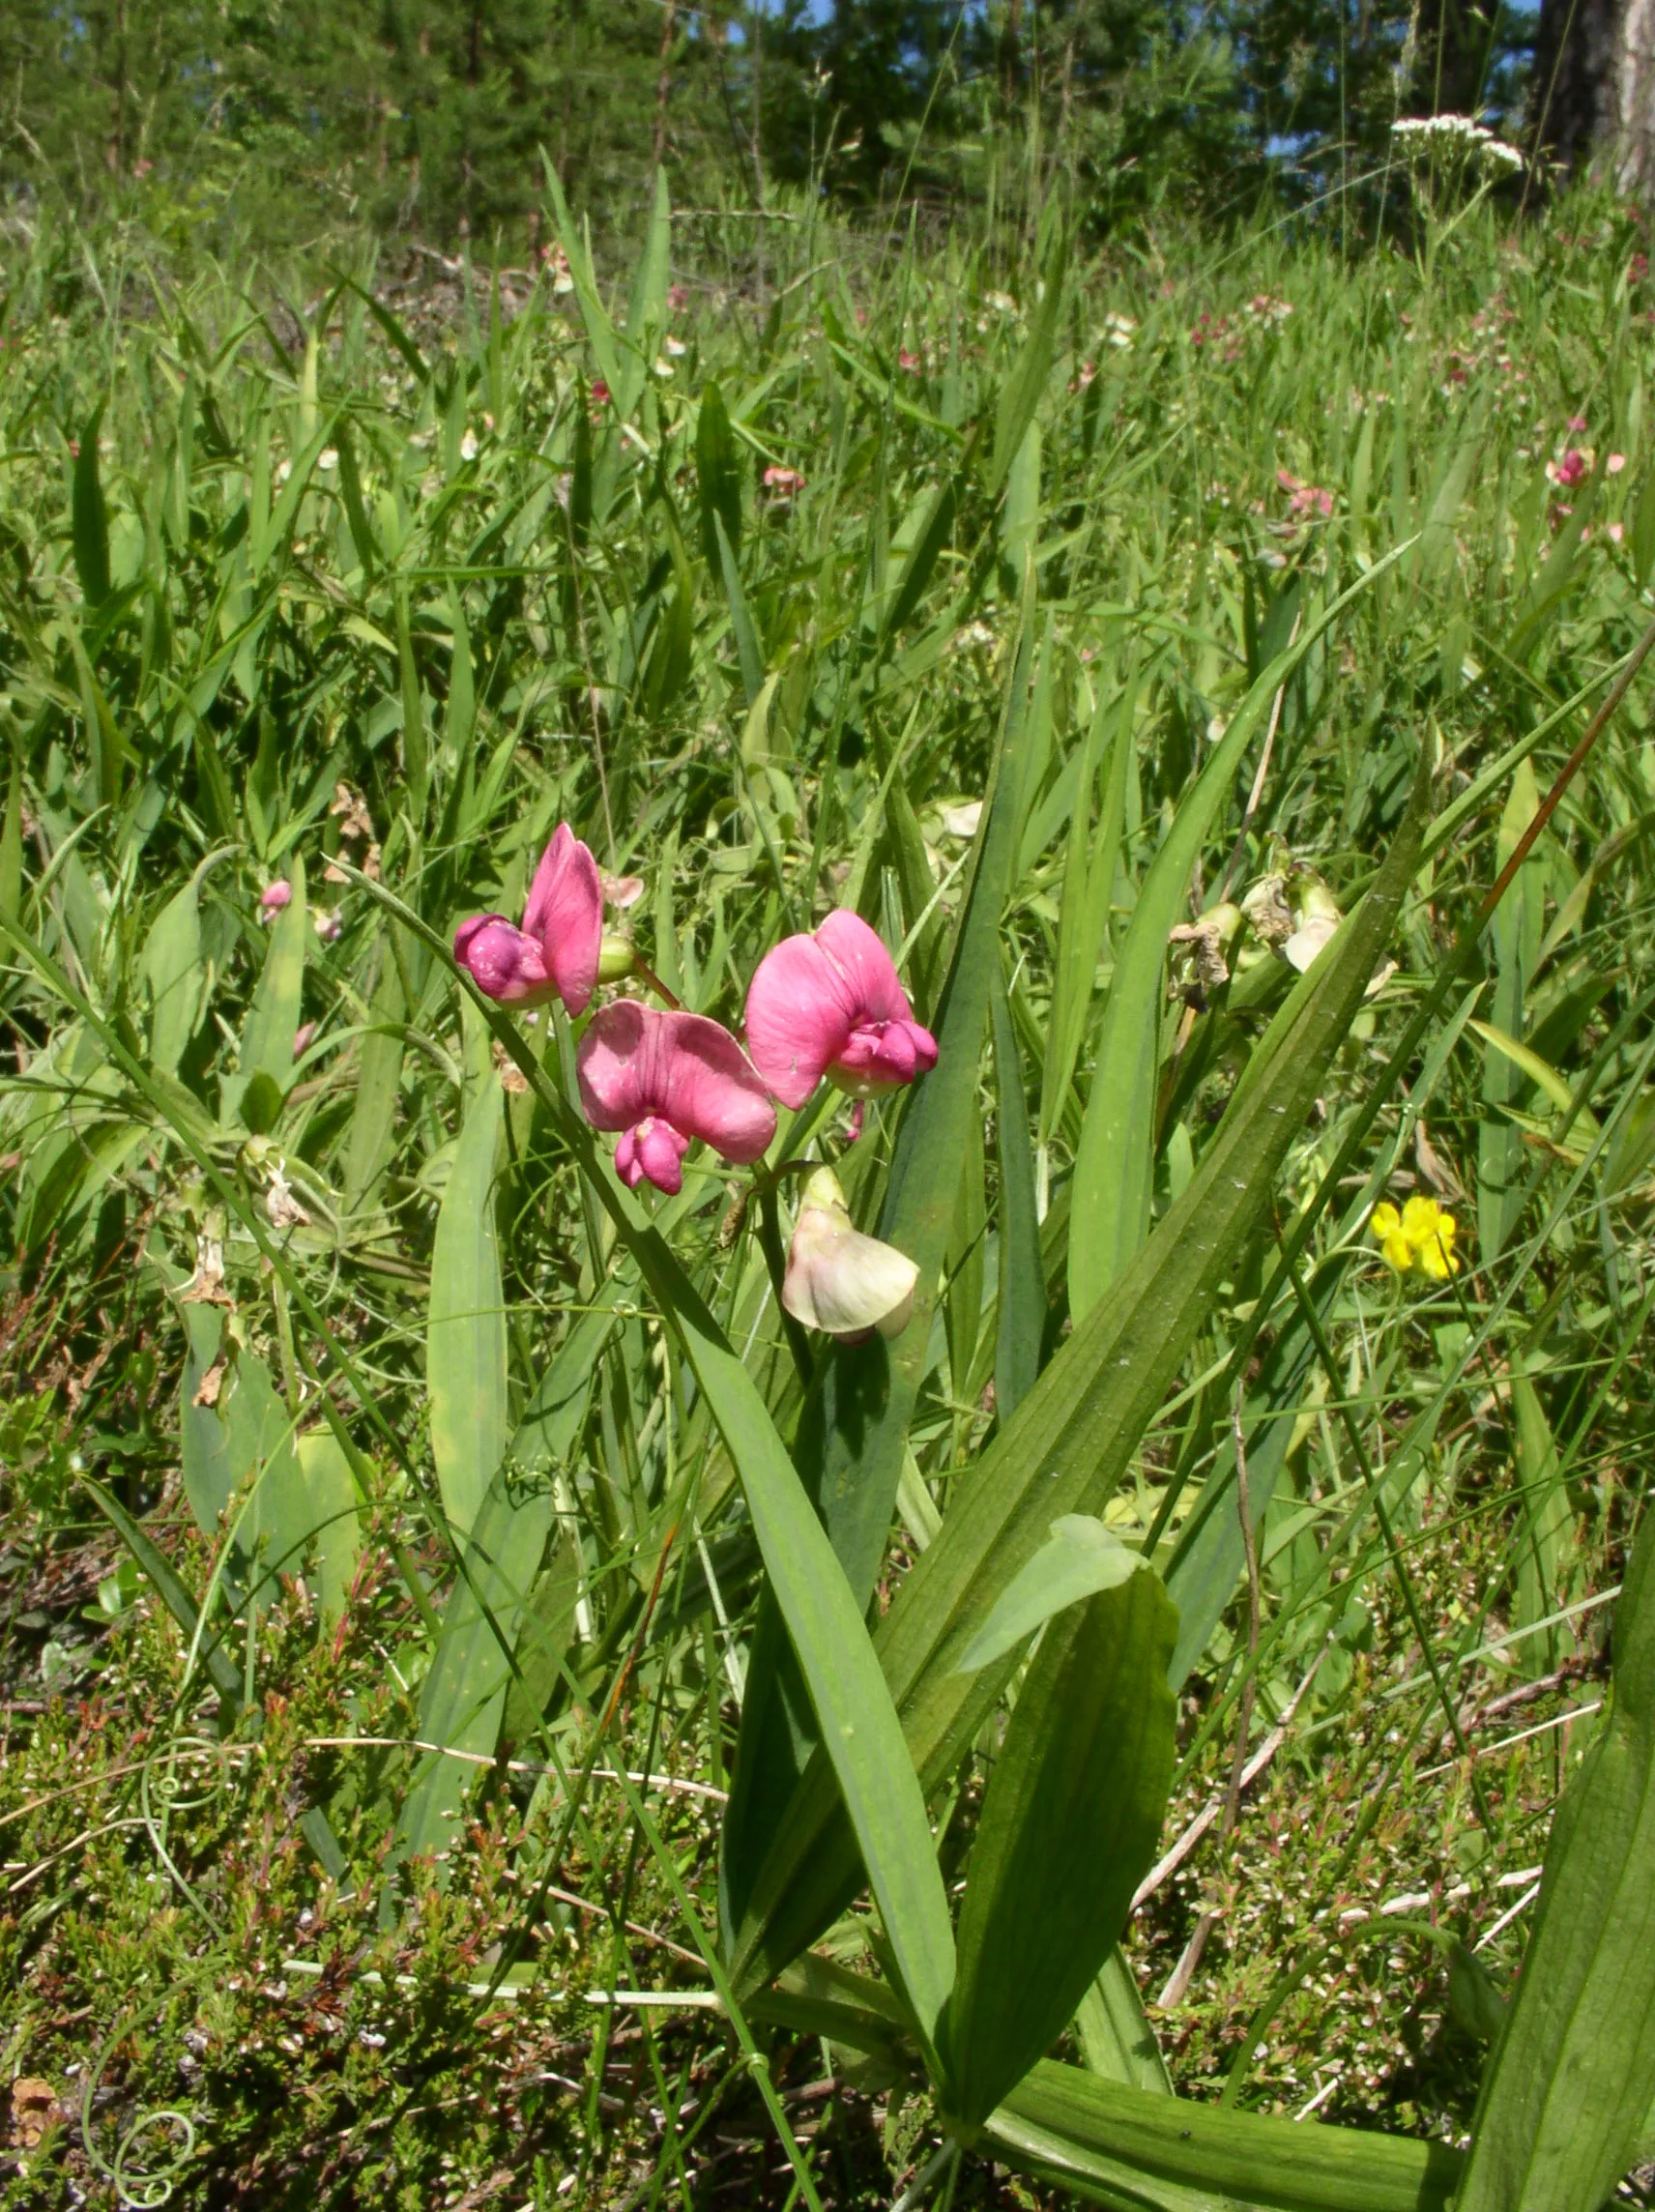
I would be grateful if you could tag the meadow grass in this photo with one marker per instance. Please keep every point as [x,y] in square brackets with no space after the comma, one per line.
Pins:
[305,582]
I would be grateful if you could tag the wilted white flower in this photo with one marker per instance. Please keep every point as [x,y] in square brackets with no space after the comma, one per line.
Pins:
[838,1280]
[1316,918]
[468,446]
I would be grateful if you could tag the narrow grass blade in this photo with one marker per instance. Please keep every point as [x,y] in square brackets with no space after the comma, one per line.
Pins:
[1021,1318]
[465,1328]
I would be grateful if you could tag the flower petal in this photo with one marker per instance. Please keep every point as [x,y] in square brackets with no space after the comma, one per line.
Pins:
[501,960]
[635,1061]
[565,914]
[658,1149]
[800,1017]
[612,1066]
[858,953]
[842,1282]
[708,1088]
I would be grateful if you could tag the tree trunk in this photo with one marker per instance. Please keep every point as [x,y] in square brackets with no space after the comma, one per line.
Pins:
[1594,87]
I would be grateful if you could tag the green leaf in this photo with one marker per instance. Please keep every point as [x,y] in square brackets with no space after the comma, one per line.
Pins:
[170,964]
[1081,1558]
[854,1430]
[1573,2075]
[1116,2038]
[718,478]
[170,1587]
[12,839]
[646,306]
[89,517]
[1514,935]
[1020,1323]
[464,1693]
[1069,1821]
[272,1017]
[1023,389]
[379,1081]
[465,1325]
[1114,1162]
[1129,2147]
[748,650]
[1074,1435]
[918,568]
[331,1496]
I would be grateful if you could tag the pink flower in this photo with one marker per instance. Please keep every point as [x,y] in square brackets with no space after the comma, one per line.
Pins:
[555,954]
[599,392]
[1305,498]
[273,898]
[303,1036]
[665,1080]
[1573,469]
[327,926]
[911,361]
[1614,464]
[831,1005]
[782,484]
[1614,531]
[677,297]
[1577,421]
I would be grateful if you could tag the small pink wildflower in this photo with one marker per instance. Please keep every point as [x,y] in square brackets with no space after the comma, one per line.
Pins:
[556,952]
[831,1005]
[664,1081]
[273,898]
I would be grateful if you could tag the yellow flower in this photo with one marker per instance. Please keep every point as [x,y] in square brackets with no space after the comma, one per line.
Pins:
[1431,1233]
[1386,1225]
[1420,1236]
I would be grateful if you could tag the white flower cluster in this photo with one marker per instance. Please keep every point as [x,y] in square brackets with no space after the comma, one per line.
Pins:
[1426,134]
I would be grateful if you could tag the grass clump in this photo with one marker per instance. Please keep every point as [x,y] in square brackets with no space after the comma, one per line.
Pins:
[329,597]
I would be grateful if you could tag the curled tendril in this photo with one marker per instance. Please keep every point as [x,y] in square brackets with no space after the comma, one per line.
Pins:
[144,2190]
[138,2187]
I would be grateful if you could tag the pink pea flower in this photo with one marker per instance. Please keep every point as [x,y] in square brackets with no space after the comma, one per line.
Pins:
[303,1038]
[1573,469]
[555,954]
[831,1005]
[273,898]
[1614,464]
[665,1080]
[782,484]
[908,361]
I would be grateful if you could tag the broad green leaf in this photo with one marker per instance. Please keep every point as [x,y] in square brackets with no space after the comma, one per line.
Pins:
[1514,935]
[921,562]
[1116,2038]
[646,308]
[1129,2147]
[464,1693]
[1573,2079]
[237,1452]
[272,1017]
[335,1527]
[599,330]
[718,478]
[12,839]
[748,650]
[1083,1558]
[89,517]
[379,1080]
[170,964]
[1074,1435]
[1068,1826]
[852,1432]
[1021,1300]
[1540,1072]
[465,1325]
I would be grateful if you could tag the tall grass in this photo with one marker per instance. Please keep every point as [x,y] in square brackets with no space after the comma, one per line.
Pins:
[459,1566]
